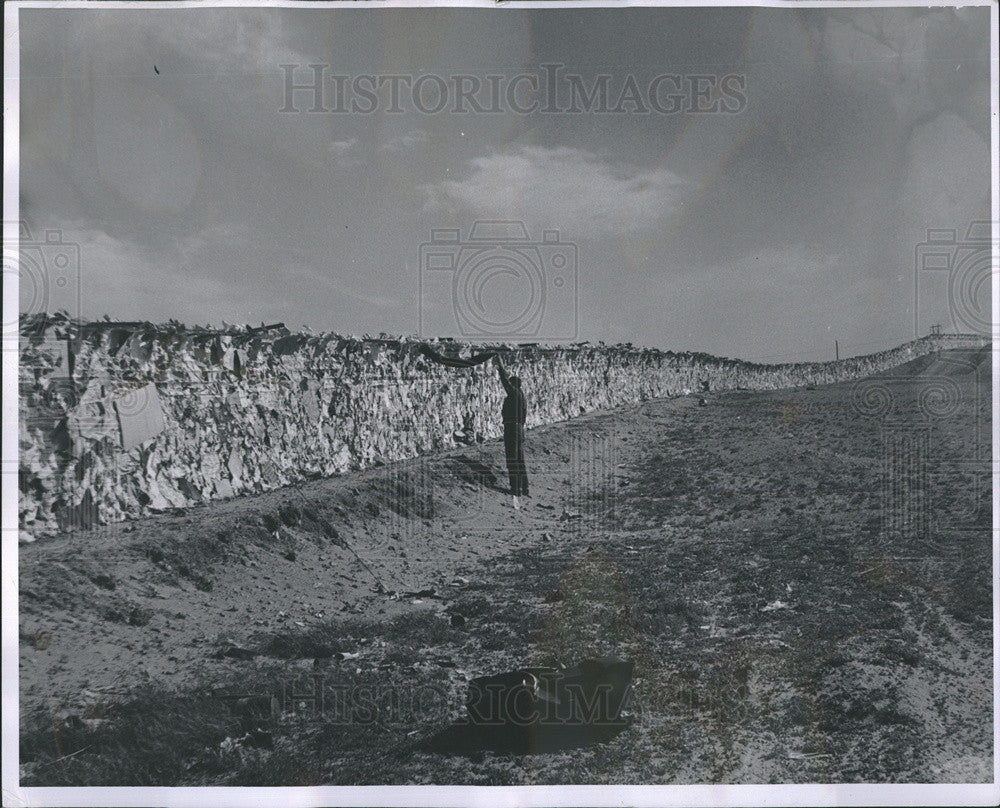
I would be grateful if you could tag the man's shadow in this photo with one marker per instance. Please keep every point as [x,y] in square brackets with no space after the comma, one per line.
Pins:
[480,474]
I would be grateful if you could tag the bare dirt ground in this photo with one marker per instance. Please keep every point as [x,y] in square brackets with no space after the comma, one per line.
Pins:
[802,578]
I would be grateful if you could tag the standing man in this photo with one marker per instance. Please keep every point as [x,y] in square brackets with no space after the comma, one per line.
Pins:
[514,412]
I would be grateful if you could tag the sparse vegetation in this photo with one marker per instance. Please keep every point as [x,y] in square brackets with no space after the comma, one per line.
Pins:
[780,632]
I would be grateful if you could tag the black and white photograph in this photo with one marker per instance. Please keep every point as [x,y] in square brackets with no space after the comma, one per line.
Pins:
[518,403]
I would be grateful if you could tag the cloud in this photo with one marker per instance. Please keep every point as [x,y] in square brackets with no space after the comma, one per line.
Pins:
[560,187]
[127,281]
[247,41]
[405,142]
[349,153]
[344,152]
[339,147]
[224,236]
[947,179]
[801,297]
[215,272]
[329,283]
[253,37]
[147,149]
[923,61]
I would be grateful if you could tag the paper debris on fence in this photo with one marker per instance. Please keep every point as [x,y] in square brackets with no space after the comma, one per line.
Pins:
[134,417]
[140,416]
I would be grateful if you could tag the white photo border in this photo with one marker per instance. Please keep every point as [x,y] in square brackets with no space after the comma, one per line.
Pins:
[563,795]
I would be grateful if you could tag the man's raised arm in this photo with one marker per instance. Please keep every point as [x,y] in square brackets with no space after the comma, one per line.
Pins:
[504,380]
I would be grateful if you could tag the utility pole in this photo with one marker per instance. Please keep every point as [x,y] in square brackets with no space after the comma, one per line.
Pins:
[836,348]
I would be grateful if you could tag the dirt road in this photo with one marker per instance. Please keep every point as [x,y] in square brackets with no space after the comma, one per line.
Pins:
[801,577]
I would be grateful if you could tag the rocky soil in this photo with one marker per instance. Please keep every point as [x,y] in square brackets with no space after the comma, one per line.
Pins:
[802,578]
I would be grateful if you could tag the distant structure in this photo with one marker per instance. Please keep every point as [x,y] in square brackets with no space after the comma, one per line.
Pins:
[936,330]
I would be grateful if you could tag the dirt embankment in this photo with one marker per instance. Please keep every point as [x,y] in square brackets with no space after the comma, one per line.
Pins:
[801,577]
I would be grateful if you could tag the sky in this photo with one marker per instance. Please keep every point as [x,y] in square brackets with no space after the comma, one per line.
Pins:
[786,212]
